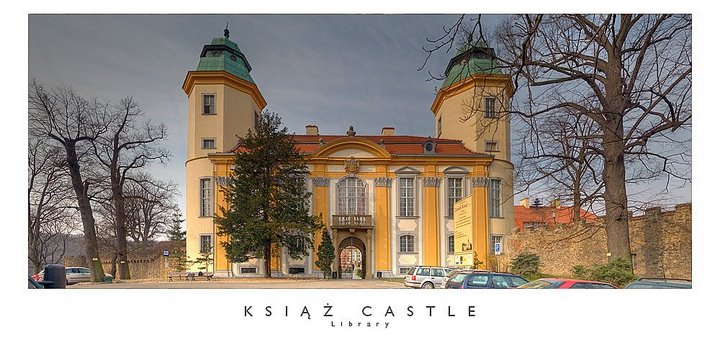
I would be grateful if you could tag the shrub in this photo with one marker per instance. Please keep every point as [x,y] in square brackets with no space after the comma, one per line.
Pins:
[581,272]
[525,264]
[618,272]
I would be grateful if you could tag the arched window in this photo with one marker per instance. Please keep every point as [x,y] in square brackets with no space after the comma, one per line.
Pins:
[352,196]
[407,244]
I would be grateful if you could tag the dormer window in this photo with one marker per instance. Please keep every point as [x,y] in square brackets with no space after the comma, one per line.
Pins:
[233,58]
[429,147]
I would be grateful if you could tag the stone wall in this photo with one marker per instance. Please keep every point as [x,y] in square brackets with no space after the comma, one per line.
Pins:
[139,268]
[661,243]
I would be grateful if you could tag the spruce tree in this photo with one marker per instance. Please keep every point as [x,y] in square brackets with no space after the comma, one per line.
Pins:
[325,254]
[178,254]
[267,198]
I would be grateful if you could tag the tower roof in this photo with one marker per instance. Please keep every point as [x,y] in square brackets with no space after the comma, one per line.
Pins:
[223,54]
[471,59]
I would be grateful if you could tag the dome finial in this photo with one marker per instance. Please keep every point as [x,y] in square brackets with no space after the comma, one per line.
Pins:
[227,32]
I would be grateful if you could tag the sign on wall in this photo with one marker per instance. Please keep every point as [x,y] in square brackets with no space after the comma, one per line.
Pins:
[463,217]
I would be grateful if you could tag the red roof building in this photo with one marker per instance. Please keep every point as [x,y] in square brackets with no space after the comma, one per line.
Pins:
[528,217]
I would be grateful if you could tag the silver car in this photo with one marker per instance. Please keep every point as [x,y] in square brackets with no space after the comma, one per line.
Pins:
[76,274]
[426,277]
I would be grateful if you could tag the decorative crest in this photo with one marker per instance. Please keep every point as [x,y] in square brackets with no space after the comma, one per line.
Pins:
[352,165]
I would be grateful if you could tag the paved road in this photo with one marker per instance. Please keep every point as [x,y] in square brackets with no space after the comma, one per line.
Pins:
[254,283]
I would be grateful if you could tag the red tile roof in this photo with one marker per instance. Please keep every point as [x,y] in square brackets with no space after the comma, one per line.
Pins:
[549,216]
[396,145]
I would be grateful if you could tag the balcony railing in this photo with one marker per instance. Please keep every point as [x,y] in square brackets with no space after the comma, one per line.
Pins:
[352,221]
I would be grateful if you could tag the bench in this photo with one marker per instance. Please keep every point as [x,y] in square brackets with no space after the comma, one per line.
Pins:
[189,276]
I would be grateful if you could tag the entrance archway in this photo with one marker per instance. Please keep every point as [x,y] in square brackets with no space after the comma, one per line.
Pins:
[352,256]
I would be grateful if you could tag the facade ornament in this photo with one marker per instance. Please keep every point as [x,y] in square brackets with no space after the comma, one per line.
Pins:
[320,181]
[383,181]
[222,180]
[432,181]
[351,131]
[352,165]
[479,181]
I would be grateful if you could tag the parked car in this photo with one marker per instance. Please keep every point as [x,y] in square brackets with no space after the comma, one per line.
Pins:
[74,275]
[553,283]
[659,283]
[426,277]
[481,279]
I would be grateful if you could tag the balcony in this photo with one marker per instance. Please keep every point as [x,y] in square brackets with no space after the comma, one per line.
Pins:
[352,221]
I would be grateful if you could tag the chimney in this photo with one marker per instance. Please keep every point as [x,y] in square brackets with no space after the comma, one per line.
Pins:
[525,202]
[388,131]
[311,130]
[555,203]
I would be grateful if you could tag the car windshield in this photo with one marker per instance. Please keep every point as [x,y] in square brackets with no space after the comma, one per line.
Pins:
[457,277]
[540,284]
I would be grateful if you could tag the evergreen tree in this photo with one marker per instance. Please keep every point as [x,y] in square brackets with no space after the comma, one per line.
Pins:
[178,254]
[205,260]
[267,199]
[325,254]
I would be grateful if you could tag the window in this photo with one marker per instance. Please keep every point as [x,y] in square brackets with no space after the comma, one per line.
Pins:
[407,197]
[208,143]
[257,120]
[208,104]
[451,244]
[491,146]
[455,193]
[495,240]
[248,270]
[205,244]
[407,243]
[296,270]
[351,196]
[490,108]
[499,282]
[439,127]
[404,270]
[478,281]
[233,58]
[494,198]
[422,272]
[517,281]
[205,197]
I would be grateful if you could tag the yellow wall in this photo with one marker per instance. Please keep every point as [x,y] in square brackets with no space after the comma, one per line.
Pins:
[382,228]
[431,206]
[480,224]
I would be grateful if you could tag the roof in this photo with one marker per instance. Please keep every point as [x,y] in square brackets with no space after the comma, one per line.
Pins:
[223,54]
[394,145]
[548,215]
[471,59]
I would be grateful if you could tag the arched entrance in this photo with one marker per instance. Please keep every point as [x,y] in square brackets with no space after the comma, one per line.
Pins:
[352,257]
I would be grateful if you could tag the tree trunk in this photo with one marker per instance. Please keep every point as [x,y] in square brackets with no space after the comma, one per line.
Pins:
[121,232]
[616,211]
[91,246]
[267,260]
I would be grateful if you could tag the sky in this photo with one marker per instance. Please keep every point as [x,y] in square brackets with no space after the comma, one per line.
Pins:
[329,70]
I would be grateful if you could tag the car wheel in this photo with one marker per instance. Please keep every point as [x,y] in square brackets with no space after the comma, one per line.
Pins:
[427,285]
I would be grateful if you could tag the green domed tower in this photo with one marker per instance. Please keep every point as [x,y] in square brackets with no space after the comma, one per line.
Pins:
[223,102]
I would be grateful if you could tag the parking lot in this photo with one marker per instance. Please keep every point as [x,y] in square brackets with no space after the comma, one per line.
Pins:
[237,283]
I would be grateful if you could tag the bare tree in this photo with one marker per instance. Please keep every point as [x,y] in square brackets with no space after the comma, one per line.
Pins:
[628,75]
[71,123]
[150,208]
[50,216]
[127,145]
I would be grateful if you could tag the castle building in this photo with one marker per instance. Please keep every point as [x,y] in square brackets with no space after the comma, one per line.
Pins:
[388,196]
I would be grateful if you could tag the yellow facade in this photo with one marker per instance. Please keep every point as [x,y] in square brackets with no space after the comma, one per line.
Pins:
[395,228]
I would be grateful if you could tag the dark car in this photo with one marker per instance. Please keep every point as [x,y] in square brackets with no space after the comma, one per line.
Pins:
[477,279]
[659,283]
[558,283]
